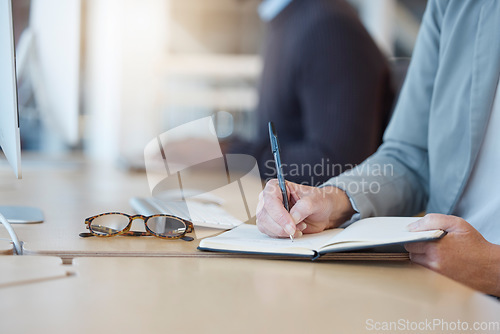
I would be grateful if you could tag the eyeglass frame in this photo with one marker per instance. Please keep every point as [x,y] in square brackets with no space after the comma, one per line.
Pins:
[126,231]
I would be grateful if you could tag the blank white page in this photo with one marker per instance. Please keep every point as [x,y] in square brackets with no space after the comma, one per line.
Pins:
[378,229]
[248,238]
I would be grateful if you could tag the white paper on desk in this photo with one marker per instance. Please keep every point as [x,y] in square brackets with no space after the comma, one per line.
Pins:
[248,238]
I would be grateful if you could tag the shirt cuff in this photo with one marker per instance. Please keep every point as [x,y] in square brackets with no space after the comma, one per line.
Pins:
[355,217]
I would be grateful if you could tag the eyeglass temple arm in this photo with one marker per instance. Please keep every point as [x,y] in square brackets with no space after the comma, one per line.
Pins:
[189,226]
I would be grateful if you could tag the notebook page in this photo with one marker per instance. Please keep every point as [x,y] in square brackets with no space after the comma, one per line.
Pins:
[248,238]
[382,230]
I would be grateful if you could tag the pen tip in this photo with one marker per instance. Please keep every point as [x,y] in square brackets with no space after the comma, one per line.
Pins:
[291,237]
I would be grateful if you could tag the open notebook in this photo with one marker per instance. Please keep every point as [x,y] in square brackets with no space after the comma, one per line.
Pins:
[365,233]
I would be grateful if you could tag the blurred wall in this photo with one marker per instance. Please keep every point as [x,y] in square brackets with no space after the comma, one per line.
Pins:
[215,26]
[126,39]
[148,65]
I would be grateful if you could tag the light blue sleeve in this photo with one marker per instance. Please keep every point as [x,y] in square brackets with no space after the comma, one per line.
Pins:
[395,180]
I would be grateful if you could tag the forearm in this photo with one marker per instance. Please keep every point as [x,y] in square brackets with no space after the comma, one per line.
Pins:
[492,273]
[481,273]
[387,186]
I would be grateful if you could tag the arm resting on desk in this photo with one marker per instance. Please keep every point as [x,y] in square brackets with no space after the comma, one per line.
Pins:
[463,254]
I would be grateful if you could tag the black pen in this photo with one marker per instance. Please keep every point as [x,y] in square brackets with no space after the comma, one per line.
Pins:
[275,148]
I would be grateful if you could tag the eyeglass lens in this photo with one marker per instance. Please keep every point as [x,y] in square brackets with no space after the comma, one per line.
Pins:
[162,225]
[109,224]
[166,226]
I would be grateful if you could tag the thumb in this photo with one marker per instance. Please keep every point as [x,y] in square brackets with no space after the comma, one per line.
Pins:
[434,222]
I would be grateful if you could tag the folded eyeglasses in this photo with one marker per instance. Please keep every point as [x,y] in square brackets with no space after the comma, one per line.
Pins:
[116,223]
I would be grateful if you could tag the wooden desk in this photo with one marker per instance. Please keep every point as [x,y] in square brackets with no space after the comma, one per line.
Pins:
[6,247]
[184,292]
[70,190]
[22,270]
[207,295]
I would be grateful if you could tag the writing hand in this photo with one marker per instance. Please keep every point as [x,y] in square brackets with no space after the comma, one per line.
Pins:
[312,209]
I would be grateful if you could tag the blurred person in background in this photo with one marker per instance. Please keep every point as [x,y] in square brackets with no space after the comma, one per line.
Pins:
[325,85]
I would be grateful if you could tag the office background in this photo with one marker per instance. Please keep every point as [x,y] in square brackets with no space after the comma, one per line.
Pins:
[104,77]
[144,66]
